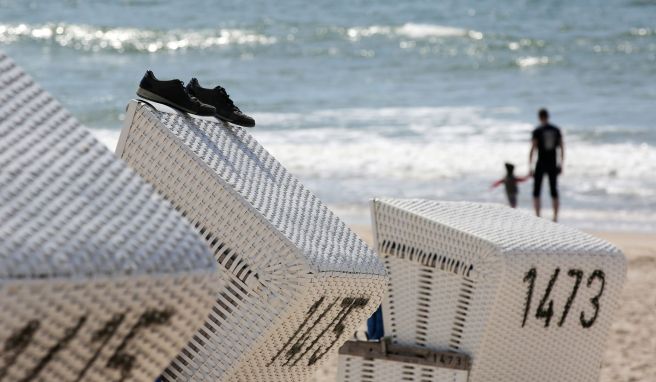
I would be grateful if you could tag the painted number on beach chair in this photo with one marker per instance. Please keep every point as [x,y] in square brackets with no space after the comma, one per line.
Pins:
[545,309]
[16,344]
[19,341]
[304,342]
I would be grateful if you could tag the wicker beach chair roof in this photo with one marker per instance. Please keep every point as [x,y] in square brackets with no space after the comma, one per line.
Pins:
[68,206]
[507,230]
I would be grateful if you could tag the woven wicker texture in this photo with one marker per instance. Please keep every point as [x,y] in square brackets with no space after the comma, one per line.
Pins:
[299,281]
[100,278]
[529,300]
[360,369]
[366,361]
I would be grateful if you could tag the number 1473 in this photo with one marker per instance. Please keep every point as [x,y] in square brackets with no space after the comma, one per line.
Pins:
[545,306]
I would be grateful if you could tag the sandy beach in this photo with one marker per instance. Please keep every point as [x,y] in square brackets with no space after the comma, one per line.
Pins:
[632,343]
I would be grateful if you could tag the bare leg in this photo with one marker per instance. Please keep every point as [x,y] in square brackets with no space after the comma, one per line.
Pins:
[555,203]
[536,205]
[553,187]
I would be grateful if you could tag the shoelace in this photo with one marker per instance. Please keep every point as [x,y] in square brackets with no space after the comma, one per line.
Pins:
[193,99]
[222,91]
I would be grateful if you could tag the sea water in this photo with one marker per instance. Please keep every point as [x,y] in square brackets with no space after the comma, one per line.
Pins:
[388,98]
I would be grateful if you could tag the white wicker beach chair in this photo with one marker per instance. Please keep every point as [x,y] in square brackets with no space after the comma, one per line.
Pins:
[527,299]
[300,282]
[100,279]
[367,361]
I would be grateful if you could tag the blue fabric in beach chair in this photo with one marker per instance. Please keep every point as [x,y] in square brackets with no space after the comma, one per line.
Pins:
[375,329]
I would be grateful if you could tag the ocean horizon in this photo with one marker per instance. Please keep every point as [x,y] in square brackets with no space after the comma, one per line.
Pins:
[424,100]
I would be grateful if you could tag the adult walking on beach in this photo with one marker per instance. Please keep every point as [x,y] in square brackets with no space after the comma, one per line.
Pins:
[547,138]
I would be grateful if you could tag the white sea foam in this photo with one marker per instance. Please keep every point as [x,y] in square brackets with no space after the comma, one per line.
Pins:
[412,31]
[108,137]
[525,62]
[601,219]
[642,31]
[427,30]
[435,143]
[94,38]
[86,37]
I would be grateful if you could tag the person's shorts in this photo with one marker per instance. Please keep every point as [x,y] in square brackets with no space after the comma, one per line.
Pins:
[539,173]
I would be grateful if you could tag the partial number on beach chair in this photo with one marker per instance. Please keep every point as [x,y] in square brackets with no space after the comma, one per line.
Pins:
[100,278]
[526,299]
[382,361]
[298,281]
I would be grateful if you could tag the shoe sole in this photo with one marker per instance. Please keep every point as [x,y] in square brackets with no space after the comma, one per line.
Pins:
[143,93]
[226,119]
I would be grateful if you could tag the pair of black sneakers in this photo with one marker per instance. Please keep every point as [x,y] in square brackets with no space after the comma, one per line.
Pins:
[193,99]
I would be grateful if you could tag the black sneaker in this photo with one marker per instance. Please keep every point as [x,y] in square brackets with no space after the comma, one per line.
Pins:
[219,98]
[172,93]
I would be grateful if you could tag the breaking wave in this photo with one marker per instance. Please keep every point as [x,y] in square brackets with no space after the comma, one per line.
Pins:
[94,38]
[91,38]
[525,62]
[439,143]
[413,31]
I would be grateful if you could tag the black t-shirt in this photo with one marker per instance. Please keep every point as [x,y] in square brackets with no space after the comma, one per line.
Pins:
[549,138]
